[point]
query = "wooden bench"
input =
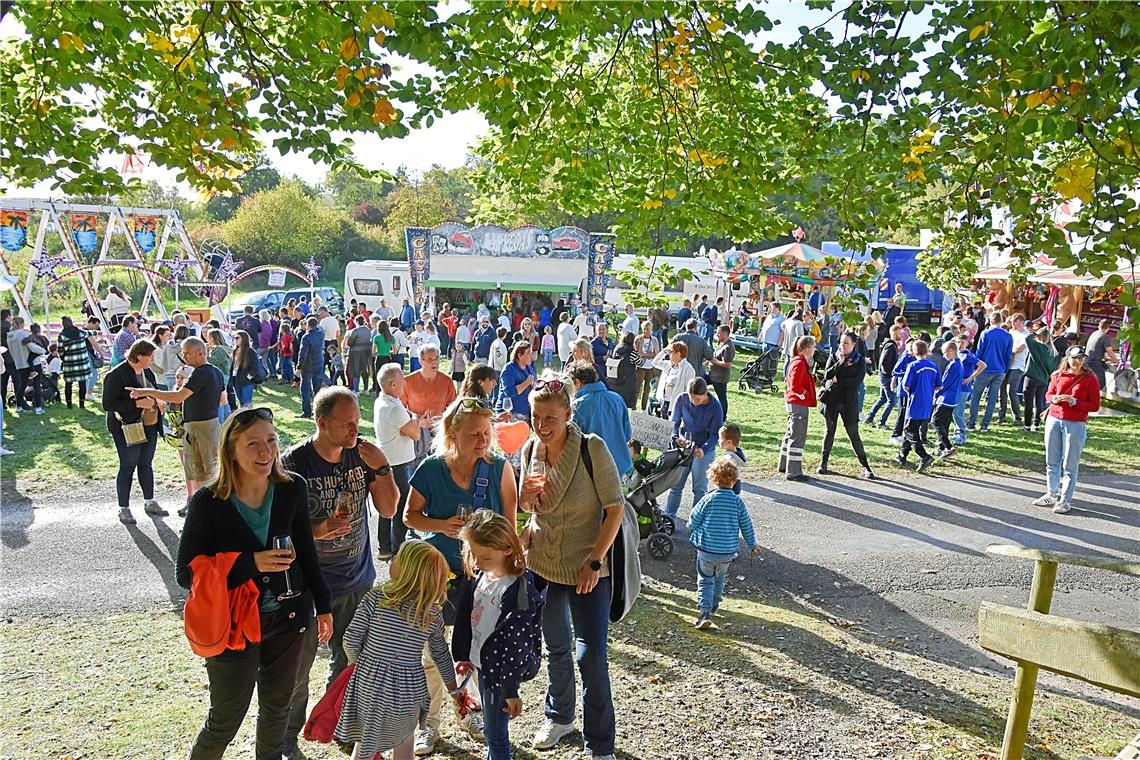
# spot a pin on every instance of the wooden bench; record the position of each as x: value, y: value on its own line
x: 1102, y: 655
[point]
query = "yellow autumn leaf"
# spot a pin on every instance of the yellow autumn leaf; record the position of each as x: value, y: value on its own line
x: 1076, y: 88
x: 69, y: 41
x: 349, y: 49
x: 159, y: 43
x: 921, y: 148
x: 383, y: 112
x: 352, y: 101
x: 860, y: 75
x: 981, y: 30
x: 575, y: 163
x: 342, y: 75
x: 670, y: 193
x: 715, y: 25
x: 1076, y: 179
x: 504, y: 82
x: 652, y: 203
x: 361, y: 74
x: 916, y: 175
x: 229, y: 143
x: 1034, y: 99
x: 380, y: 37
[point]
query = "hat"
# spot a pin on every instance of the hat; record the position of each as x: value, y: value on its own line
x: 1071, y: 336
x: 1075, y: 351
x: 691, y: 324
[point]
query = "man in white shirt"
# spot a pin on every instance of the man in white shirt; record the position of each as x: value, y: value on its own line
x: 396, y: 434
x: 584, y: 323
x: 482, y: 312
x: 1011, y: 390
x: 770, y: 332
x: 329, y: 325
x: 505, y: 321
x: 463, y: 335
x: 632, y: 324
x: 566, y: 337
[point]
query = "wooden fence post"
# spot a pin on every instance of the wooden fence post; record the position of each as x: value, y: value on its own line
x: 1025, y: 680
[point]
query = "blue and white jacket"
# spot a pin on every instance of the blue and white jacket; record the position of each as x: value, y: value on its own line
x: 717, y: 521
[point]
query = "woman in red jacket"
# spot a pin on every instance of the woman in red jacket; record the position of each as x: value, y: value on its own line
x: 1072, y: 395
x: 800, y: 396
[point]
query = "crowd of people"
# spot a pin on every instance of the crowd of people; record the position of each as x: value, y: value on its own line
x: 503, y: 551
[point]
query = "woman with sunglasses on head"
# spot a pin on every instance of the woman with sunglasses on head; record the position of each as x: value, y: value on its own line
x: 461, y: 476
x: 251, y: 503
x: 577, y: 508
x: 1073, y: 394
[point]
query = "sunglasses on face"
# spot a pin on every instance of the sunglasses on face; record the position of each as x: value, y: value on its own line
x: 554, y: 385
x: 247, y: 416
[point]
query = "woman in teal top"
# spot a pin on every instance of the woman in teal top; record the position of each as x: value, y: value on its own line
x: 447, y: 479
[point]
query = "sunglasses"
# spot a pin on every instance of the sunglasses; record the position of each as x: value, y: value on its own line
x: 248, y: 416
x: 554, y: 385
x: 468, y: 403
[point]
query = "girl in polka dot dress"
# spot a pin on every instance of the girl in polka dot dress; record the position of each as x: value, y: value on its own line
x: 498, y: 623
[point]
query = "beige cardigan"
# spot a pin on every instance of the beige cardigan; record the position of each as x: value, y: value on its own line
x: 565, y: 524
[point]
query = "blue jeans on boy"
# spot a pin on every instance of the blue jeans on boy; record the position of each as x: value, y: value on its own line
x: 960, y: 417
x: 992, y: 383
x: 712, y: 569
x: 496, y: 723
x: 287, y: 368
x: 591, y: 617
x: 244, y: 393
x: 698, y: 471
x: 1064, y: 441
x: 886, y: 401
x: 310, y: 384
x: 92, y: 380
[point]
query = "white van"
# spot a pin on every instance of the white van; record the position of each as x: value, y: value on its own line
x: 704, y: 282
x: 369, y: 281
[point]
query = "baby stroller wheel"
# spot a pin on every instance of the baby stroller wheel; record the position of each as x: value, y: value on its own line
x: 666, y: 525
x: 660, y: 546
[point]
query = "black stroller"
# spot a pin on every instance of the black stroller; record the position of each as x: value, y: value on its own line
x: 49, y: 391
x: 759, y: 375
x: 656, y: 527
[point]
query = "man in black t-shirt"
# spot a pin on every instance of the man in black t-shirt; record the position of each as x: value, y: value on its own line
x: 249, y: 323
x: 200, y: 397
x: 342, y: 471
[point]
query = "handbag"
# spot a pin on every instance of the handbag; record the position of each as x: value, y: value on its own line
x: 133, y: 432
x: 322, y: 721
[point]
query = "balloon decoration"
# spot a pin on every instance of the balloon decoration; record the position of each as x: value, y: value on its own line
x: 13, y: 230
x: 84, y: 230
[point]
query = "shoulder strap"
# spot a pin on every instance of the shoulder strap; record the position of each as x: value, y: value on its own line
x: 482, y: 482
x: 586, y: 456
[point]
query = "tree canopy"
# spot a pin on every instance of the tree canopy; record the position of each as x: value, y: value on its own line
x: 678, y: 117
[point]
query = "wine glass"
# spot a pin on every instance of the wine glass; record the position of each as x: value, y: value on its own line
x: 508, y: 405
x: 464, y: 511
x: 285, y: 543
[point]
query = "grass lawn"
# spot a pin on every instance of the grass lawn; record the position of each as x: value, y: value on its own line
x: 68, y: 445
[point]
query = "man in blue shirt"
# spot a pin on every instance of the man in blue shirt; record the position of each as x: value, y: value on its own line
x: 483, y: 339
x: 407, y: 316
x: 310, y: 364
x: 684, y: 314
x: 920, y: 382
x: 946, y: 399
x: 770, y: 330
x: 995, y: 349
x: 696, y: 419
x: 710, y: 318
x: 600, y: 411
x: 602, y: 347
x: 971, y: 368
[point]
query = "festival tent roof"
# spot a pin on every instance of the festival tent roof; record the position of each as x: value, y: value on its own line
x: 1051, y: 275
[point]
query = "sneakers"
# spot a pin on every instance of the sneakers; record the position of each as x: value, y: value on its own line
x: 1062, y: 506
x: 714, y: 609
x: 1026, y: 428
x: 550, y: 734
x: 947, y: 453
x: 897, y: 440
x: 868, y: 474
x: 925, y: 464
x: 1033, y: 428
x: 426, y: 739
x: 704, y: 621
x: 5, y: 451
x: 125, y: 516
x: 182, y: 512
x: 822, y: 470
x: 472, y: 725
x: 801, y: 478
x: 900, y: 460
x: 151, y: 507
x: 1047, y: 501
x: 38, y: 410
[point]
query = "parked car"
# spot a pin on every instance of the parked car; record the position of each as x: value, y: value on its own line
x: 329, y: 296
x: 258, y: 299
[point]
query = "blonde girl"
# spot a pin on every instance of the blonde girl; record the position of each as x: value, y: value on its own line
x: 387, y: 694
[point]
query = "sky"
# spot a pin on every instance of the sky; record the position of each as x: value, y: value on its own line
x: 446, y: 143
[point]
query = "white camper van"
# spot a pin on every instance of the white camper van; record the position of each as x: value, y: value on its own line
x: 369, y: 281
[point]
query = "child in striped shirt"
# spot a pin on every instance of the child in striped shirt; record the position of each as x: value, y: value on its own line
x: 715, y: 525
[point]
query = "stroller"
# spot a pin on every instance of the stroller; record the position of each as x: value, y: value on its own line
x: 656, y: 527
x: 49, y: 391
x: 759, y: 374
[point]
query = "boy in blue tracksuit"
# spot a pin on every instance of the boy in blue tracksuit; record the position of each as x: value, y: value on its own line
x: 972, y: 366
x: 715, y: 524
x: 995, y: 349
x: 897, y: 383
x: 946, y: 398
x: 920, y: 382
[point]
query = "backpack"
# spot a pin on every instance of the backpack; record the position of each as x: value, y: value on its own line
x: 624, y: 562
x: 257, y: 371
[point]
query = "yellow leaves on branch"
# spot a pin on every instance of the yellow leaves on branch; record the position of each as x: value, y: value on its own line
x: 376, y: 17
x: 504, y: 82
x: 342, y: 75
x: 69, y: 41
x: 538, y: 6
x: 705, y: 158
x: 353, y: 100
x: 187, y: 35
x: 159, y: 43
x: 1076, y: 179
x: 669, y: 193
x: 652, y: 203
x: 715, y: 25
x: 920, y: 145
x: 350, y: 48
x: 860, y: 75
x: 981, y: 30
x: 917, y: 174
x: 1047, y: 98
x: 383, y: 112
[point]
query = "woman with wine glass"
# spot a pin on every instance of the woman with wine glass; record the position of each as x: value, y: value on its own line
x: 461, y: 472
x: 517, y: 378
x: 577, y: 506
x: 256, y: 509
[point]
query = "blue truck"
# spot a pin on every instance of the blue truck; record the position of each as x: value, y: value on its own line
x: 923, y: 305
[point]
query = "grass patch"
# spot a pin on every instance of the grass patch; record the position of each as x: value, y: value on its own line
x: 776, y: 674
x: 73, y: 445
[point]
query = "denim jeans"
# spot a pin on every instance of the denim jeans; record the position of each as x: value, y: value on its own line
x: 960, y: 417
x: 496, y: 723
x: 286, y: 368
x: 1011, y: 394
x: 223, y: 413
x: 698, y: 471
x: 391, y: 532
x: 92, y: 379
x: 244, y: 393
x: 590, y: 614
x: 343, y: 610
x: 1034, y: 404
x: 712, y: 569
x: 137, y: 458
x: 886, y: 401
x: 988, y: 383
x: 310, y: 384
x: 721, y: 390
x: 1064, y: 441
x: 707, y: 333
